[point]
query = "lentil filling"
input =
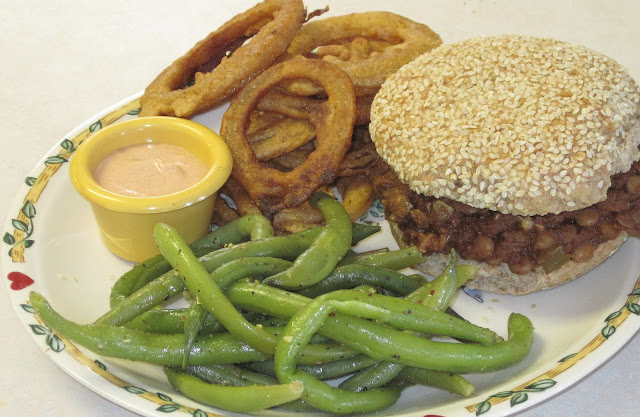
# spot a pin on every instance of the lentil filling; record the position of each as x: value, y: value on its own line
x: 524, y: 243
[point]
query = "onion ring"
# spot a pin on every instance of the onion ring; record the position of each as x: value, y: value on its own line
x: 358, y: 161
x: 394, y: 41
x: 242, y: 200
x: 292, y: 105
x: 363, y: 109
x: 223, y: 213
x: 292, y: 159
x: 274, y: 190
x: 262, y: 119
x: 304, y: 107
x: 271, y: 25
x: 281, y: 137
x: 357, y: 196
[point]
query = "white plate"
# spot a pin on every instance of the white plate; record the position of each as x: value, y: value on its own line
x: 75, y: 272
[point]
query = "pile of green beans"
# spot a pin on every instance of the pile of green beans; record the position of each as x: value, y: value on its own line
x: 273, y: 320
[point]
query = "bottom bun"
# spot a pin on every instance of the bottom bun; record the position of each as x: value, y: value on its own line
x: 500, y: 280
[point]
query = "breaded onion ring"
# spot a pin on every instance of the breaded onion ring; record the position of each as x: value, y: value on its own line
x: 304, y: 107
x: 280, y: 138
x: 242, y: 200
x: 291, y: 105
x: 274, y: 190
x: 357, y: 196
x: 271, y: 25
x: 393, y: 41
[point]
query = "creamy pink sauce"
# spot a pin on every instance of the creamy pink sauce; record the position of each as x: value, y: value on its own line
x: 149, y: 170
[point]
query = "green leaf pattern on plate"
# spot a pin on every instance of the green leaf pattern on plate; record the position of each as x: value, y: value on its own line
x: 631, y: 305
x: 51, y: 339
x: 29, y: 211
x: 100, y: 365
x: 374, y: 215
x: 167, y: 405
x: 95, y: 126
x: 134, y: 390
x: 169, y: 408
x: 62, y: 156
x: 516, y: 396
x: 28, y: 308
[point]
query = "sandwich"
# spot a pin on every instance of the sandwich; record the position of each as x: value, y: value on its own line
x: 519, y: 153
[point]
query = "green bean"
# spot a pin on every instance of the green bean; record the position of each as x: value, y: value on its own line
x: 444, y: 286
x: 169, y: 285
x: 148, y: 271
x: 278, y: 329
x: 253, y: 226
x: 241, y: 399
x: 376, y: 376
x: 151, y: 295
x: 339, y: 368
x: 443, y: 380
x: 238, y: 376
x: 315, y: 263
x: 267, y: 320
x: 325, y: 371
x: 254, y: 267
x: 207, y: 292
x: 360, y: 232
x: 465, y: 273
x: 170, y: 321
x: 349, y: 276
x: 137, y: 277
x: 372, y: 339
x: 229, y: 374
x: 410, y: 316
x: 419, y: 318
x: 423, y: 353
x: 161, y: 349
x: 286, y: 247
x: 304, y: 323
x: 399, y: 313
x: 193, y: 322
x: 366, y: 289
x: 395, y: 259
x: 262, y: 367
x: 122, y: 342
x: 441, y: 291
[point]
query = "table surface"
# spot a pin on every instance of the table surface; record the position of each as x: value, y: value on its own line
x: 62, y: 62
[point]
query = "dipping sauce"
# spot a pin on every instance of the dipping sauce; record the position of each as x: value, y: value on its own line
x: 149, y: 170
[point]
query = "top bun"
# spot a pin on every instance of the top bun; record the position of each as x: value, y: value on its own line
x: 514, y: 124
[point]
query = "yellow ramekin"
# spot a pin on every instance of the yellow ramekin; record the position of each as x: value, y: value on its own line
x: 125, y: 222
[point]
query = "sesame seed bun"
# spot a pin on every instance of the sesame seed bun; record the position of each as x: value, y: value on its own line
x: 514, y: 124
x: 500, y: 280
